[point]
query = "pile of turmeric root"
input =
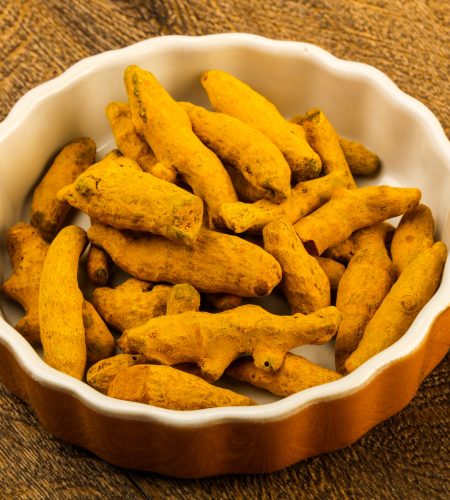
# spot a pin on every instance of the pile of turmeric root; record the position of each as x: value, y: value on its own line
x: 203, y: 210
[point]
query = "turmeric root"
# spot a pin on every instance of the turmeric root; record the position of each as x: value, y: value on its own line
x: 295, y: 374
x: 125, y: 198
x: 100, y: 375
x: 349, y: 210
x: 170, y: 388
x: 414, y: 234
x: 131, y: 143
x: 304, y: 282
x: 132, y: 303
x: 344, y: 251
x: 305, y: 198
x: 183, y: 298
x: 325, y: 141
x: 213, y: 341
x: 365, y: 283
x: 359, y: 159
x: 47, y: 211
x: 27, y: 251
x: 167, y: 129
x: 333, y: 269
x: 224, y: 301
x: 61, y: 304
x: 216, y: 263
x: 413, y: 289
x: 100, y: 344
x: 245, y: 148
x: 229, y: 95
x: 98, y: 265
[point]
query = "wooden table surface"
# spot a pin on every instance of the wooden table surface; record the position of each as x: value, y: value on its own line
x: 406, y: 456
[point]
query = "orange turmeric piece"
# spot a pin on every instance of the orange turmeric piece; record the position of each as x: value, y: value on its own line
x: 98, y: 265
x: 229, y: 95
x: 349, y: 210
x: 305, y: 198
x: 167, y: 129
x: 213, y: 341
x: 100, y: 375
x: 365, y: 283
x: 414, y: 234
x: 224, y: 301
x: 100, y: 344
x: 344, y: 251
x: 216, y: 263
x: 295, y: 374
x: 27, y: 251
x: 182, y: 298
x: 126, y: 198
x: 360, y: 160
x: 333, y: 269
x: 132, y: 145
x: 61, y: 304
x: 132, y: 303
x: 304, y: 282
x: 325, y: 141
x: 170, y: 388
x: 413, y: 289
x: 246, y: 149
x: 47, y: 211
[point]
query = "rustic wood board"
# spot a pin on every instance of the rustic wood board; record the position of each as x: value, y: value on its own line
x: 405, y: 457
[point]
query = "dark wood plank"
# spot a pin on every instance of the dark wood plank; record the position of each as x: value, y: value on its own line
x: 405, y: 457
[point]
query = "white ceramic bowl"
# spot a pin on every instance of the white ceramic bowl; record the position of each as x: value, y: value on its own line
x: 362, y: 103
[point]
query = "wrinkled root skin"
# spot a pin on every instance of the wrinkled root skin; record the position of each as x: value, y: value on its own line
x: 170, y: 388
x: 213, y: 341
x: 413, y: 289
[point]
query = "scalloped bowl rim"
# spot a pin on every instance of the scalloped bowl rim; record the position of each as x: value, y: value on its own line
x: 39, y: 371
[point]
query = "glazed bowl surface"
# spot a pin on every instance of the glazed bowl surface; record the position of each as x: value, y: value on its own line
x: 363, y: 104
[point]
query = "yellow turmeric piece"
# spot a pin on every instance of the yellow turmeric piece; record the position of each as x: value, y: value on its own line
x: 132, y: 145
x: 229, y: 95
x: 333, y: 269
x: 100, y: 375
x: 170, y: 388
x: 344, y: 251
x: 98, y: 265
x: 216, y: 263
x: 413, y: 289
x: 61, y: 304
x: 47, y: 211
x: 349, y: 210
x: 132, y: 303
x: 414, y: 234
x: 360, y: 160
x: 244, y: 190
x: 325, y: 141
x: 213, y: 341
x: 182, y: 298
x: 365, y: 283
x: 100, y: 344
x: 295, y: 374
x: 125, y: 198
x: 224, y: 301
x: 249, y: 151
x: 167, y: 129
x: 304, y: 282
x: 305, y: 198
x: 27, y: 251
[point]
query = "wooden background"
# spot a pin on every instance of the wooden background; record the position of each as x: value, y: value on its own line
x: 405, y: 457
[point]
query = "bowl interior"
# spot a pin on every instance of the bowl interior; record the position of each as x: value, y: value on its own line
x: 359, y: 101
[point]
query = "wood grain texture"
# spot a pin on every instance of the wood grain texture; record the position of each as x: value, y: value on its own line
x: 405, y: 457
